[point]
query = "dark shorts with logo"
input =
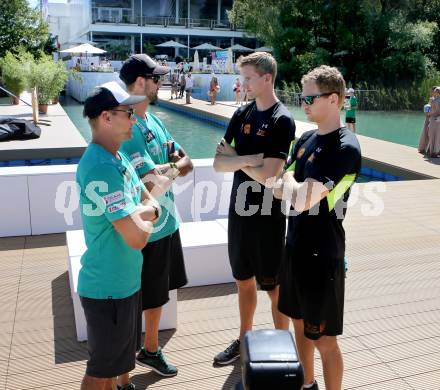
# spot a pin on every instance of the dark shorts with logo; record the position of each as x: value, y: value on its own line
x: 256, y: 248
x: 163, y: 270
x: 350, y: 120
x: 114, y: 330
x: 312, y: 288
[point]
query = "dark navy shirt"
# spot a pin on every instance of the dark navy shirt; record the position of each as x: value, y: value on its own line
x: 332, y: 159
x: 252, y: 132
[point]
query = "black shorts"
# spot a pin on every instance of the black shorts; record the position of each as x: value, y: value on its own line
x: 114, y: 330
x: 312, y: 289
x: 163, y: 270
x: 350, y: 120
x: 256, y: 248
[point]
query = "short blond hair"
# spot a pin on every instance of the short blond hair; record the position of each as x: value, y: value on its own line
x: 262, y: 62
x: 328, y: 79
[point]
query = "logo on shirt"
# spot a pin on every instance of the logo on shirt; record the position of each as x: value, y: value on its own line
x: 116, y: 207
x: 246, y: 129
x: 113, y: 197
x: 149, y: 136
x: 136, y: 160
x: 154, y: 150
x: 262, y: 130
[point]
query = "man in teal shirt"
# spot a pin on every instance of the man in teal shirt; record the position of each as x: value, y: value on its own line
x: 158, y: 160
x: 117, y: 214
x: 350, y: 105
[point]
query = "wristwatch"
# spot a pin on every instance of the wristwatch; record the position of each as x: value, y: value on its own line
x: 156, y: 211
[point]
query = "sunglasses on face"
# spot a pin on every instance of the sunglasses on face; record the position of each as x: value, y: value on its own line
x: 156, y: 78
x: 310, y: 99
x: 130, y: 112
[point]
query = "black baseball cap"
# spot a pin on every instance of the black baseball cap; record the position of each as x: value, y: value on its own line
x: 106, y: 97
x: 140, y: 65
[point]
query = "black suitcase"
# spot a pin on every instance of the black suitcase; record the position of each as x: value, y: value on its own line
x: 269, y: 360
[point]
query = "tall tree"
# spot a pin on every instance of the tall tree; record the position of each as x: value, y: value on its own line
x: 20, y: 25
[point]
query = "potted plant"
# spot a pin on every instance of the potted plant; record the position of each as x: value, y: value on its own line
x: 50, y: 78
x: 15, y: 68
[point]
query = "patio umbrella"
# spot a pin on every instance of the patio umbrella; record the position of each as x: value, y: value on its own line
x: 238, y: 47
x: 85, y: 48
x: 264, y: 48
x: 206, y: 46
x: 172, y: 44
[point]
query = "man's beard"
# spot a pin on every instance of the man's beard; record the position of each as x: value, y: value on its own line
x: 152, y: 96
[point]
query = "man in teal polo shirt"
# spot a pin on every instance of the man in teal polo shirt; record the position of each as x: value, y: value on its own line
x: 117, y: 214
x: 158, y: 160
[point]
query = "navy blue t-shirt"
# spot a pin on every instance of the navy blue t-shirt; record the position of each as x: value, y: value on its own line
x: 333, y: 159
x: 252, y: 132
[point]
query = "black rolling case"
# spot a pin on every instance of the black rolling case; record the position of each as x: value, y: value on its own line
x: 269, y: 360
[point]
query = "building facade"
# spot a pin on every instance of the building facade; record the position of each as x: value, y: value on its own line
x: 137, y: 24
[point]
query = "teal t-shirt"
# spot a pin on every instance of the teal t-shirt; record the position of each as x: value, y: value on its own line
x: 110, y: 190
x: 351, y: 112
x: 146, y: 149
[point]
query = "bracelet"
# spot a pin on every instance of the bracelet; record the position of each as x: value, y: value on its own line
x: 173, y: 165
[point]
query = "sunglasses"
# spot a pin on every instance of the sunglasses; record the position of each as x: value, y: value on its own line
x: 156, y: 78
x: 310, y: 99
x: 130, y: 112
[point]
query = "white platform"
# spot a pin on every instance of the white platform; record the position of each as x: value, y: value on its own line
x: 76, y: 247
x: 205, y: 248
x: 45, y: 200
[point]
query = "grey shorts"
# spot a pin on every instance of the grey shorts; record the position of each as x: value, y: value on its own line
x: 114, y: 329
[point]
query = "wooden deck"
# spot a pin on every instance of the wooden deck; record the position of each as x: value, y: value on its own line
x: 391, y: 338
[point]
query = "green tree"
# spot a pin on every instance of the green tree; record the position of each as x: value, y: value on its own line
x: 20, y: 25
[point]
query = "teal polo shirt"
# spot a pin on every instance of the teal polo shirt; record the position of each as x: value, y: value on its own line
x: 110, y: 190
x: 146, y: 149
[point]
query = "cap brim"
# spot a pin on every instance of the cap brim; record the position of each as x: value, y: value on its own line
x: 161, y: 70
x: 133, y: 99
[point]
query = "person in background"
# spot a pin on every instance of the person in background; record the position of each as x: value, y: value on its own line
x: 350, y: 105
x: 433, y: 148
x: 423, y: 142
x: 213, y: 89
x: 174, y: 79
x: 189, y: 83
x: 182, y: 84
x: 237, y: 91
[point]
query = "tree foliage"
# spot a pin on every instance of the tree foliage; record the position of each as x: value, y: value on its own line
x: 21, y: 26
x: 381, y: 42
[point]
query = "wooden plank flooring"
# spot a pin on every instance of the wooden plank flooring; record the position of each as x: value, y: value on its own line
x: 391, y: 338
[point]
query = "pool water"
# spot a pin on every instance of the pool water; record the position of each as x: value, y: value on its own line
x: 199, y: 139
x: 399, y: 127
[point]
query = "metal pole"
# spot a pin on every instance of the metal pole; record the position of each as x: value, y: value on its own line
x: 187, y: 50
x: 142, y: 16
x: 142, y: 45
x: 17, y: 97
x: 177, y: 11
x: 219, y: 10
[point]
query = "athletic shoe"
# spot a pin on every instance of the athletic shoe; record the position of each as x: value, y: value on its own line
x: 128, y: 386
x: 314, y: 386
x: 229, y: 354
x: 155, y: 361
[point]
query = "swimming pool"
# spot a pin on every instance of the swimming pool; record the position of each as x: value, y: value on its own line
x: 399, y: 127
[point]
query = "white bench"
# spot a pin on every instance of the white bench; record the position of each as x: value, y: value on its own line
x: 205, y: 248
x: 76, y: 247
